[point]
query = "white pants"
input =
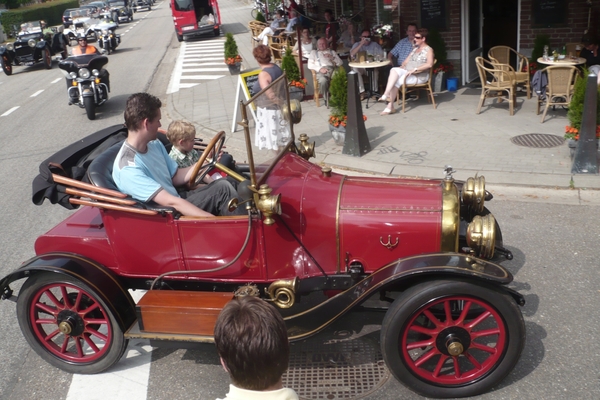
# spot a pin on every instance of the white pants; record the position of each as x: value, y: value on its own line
x: 411, y: 79
x: 264, y: 33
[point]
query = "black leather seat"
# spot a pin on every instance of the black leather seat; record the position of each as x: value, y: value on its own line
x: 99, y: 174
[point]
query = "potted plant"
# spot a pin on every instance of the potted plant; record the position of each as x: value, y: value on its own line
x: 575, y: 113
x: 296, y: 83
x: 436, y: 41
x: 385, y: 34
x: 260, y: 17
x: 338, y: 103
x: 232, y: 55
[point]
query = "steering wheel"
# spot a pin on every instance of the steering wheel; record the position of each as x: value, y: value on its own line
x: 200, y: 170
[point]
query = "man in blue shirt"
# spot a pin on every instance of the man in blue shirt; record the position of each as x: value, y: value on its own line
x: 144, y: 170
x: 403, y: 48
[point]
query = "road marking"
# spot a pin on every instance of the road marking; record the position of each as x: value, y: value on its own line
x: 57, y: 80
x: 197, y: 62
x: 36, y: 93
x: 9, y: 111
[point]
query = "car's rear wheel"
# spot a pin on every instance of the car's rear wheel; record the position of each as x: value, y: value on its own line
x: 6, y: 65
x: 47, y: 58
x: 452, y: 338
x: 68, y: 324
x: 90, y: 107
x: 179, y: 37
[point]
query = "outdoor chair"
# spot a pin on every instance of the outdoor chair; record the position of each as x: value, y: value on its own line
x: 277, y: 44
x: 416, y: 88
x: 494, y: 82
x: 316, y: 86
x: 503, y: 54
x: 561, y: 84
x: 256, y: 28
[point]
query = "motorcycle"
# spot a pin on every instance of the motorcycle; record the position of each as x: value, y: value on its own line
x: 108, y: 40
x: 87, y: 82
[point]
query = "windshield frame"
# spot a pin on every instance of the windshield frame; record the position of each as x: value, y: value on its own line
x: 289, y: 146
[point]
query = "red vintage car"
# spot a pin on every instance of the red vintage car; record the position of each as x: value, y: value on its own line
x: 315, y: 244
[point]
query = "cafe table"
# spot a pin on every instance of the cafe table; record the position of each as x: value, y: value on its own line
x: 370, y: 67
x: 565, y: 62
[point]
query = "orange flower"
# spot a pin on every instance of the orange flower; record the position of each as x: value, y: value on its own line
x: 233, y: 60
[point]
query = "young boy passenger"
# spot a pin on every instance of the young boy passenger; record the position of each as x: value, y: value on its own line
x: 182, y: 135
x: 252, y: 342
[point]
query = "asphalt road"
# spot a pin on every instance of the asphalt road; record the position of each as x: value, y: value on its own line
x: 555, y: 246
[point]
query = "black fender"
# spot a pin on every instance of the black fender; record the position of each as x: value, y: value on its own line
x: 398, y: 276
x: 104, y: 282
x: 87, y: 91
x: 3, y: 50
x: 41, y: 45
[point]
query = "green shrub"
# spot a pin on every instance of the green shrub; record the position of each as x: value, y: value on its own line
x: 338, y: 93
x: 231, y: 48
x: 289, y: 66
x: 260, y: 17
x: 575, y: 113
x: 438, y: 44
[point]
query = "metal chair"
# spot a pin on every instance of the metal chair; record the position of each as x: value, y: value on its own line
x: 502, y: 55
x: 494, y: 82
x: 561, y: 84
x: 407, y: 88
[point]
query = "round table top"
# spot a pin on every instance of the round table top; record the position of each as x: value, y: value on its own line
x: 564, y: 62
x: 369, y: 64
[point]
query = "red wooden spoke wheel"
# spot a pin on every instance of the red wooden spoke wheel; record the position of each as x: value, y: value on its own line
x: 452, y: 338
x: 68, y: 325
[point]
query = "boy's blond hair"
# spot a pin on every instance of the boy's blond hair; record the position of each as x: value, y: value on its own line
x: 180, y: 130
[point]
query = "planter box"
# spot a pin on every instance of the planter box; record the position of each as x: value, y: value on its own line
x: 438, y: 82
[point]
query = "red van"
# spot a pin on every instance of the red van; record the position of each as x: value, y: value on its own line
x: 195, y: 17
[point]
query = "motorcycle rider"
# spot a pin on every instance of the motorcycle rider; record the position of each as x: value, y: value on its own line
x: 81, y: 50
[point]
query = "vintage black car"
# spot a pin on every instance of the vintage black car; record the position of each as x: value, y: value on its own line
x: 34, y: 44
x: 121, y: 10
x: 139, y: 5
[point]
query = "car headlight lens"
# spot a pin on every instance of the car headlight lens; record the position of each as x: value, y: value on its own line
x: 104, y: 32
x: 481, y: 236
x: 72, y: 75
x: 95, y: 72
x: 31, y: 42
x: 84, y: 73
x: 473, y: 193
x: 10, y: 47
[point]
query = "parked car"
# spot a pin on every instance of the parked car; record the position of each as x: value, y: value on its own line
x: 32, y: 46
x: 121, y: 10
x: 314, y: 243
x: 140, y: 5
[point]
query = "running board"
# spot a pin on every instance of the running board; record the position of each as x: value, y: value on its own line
x: 178, y: 315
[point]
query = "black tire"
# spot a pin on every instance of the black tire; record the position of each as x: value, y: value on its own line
x: 254, y: 13
x: 408, y: 335
x: 90, y: 107
x: 104, y: 330
x: 179, y: 37
x: 217, y: 32
x: 6, y: 65
x: 47, y: 58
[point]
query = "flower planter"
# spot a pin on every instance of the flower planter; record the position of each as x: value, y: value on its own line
x: 438, y: 82
x: 572, y: 143
x: 338, y: 133
x: 296, y: 93
x: 234, y: 69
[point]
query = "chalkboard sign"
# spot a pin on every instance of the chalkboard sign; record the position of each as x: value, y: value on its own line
x: 549, y: 13
x: 433, y: 14
x: 247, y: 80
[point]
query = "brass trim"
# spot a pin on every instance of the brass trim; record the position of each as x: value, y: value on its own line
x: 283, y: 292
x: 326, y: 172
x: 473, y: 193
x: 337, y: 223
x: 390, y: 209
x: 450, y: 216
x: 425, y: 182
x: 389, y: 245
x: 230, y: 172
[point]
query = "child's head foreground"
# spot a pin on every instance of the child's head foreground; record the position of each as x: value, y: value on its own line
x: 252, y: 342
x: 181, y: 134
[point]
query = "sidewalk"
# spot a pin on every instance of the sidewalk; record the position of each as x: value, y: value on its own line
x: 418, y: 143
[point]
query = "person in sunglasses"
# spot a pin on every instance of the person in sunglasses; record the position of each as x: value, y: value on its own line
x: 414, y: 69
x: 372, y: 49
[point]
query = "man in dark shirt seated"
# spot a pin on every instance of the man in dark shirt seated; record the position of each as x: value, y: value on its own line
x: 144, y: 170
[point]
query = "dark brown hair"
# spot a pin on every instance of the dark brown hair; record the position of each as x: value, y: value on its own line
x: 423, y: 32
x: 140, y: 106
x: 262, y: 54
x: 251, y: 338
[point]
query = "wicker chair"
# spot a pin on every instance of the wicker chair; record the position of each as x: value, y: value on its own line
x: 502, y: 55
x: 256, y: 28
x: 494, y: 82
x: 417, y: 87
x: 561, y: 84
x: 277, y: 44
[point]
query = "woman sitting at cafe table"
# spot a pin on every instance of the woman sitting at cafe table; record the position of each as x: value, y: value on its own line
x: 414, y: 69
x: 590, y: 53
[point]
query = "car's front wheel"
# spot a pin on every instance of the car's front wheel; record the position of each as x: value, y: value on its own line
x: 68, y: 324
x: 452, y: 338
x: 47, y: 58
x: 6, y: 65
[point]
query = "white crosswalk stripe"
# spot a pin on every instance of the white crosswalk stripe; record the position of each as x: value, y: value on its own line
x: 197, y: 62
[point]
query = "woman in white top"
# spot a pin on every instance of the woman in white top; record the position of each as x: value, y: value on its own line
x: 308, y: 43
x: 414, y: 69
